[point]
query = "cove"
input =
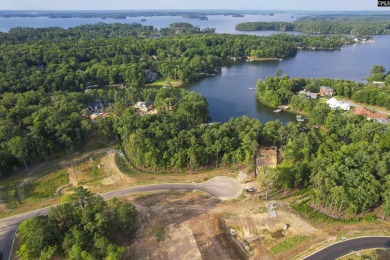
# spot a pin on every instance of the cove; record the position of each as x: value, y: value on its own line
x: 229, y: 95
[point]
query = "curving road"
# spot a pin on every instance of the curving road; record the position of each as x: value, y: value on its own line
x: 224, y: 188
x: 349, y: 246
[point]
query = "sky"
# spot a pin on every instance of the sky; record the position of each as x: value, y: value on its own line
x: 326, y: 5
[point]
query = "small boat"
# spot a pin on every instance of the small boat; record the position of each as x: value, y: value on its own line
x: 300, y: 118
x: 252, y: 88
x: 278, y: 110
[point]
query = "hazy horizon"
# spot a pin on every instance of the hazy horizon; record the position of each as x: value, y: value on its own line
x: 187, y: 5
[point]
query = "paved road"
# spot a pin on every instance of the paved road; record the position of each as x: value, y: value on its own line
x: 223, y: 188
x: 351, y: 103
x: 349, y: 246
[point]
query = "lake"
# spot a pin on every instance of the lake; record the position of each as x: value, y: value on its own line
x: 228, y: 93
x: 222, y: 23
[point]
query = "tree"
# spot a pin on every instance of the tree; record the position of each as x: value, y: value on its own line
x: 18, y: 148
x: 279, y: 73
x: 81, y: 196
x: 86, y: 229
x: 377, y: 69
x: 377, y: 73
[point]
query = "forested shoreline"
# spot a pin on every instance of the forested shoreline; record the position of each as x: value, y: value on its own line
x: 43, y: 108
x: 275, y: 91
x: 343, y: 159
x: 322, y: 26
x: 53, y: 59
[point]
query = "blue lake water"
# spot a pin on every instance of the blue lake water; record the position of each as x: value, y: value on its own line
x: 228, y: 93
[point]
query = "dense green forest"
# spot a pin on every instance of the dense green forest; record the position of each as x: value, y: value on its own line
x: 52, y: 59
x: 95, y: 31
x: 43, y: 72
x: 36, y: 124
x: 275, y: 91
x: 86, y: 228
x: 345, y: 163
x: 179, y: 137
x: 322, y: 26
x: 43, y: 109
x: 357, y: 150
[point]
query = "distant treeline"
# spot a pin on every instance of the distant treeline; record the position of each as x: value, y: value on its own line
x: 122, y: 14
x: 96, y: 31
x: 355, y: 27
x: 350, y: 16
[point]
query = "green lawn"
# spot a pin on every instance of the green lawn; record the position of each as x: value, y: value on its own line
x: 288, y: 244
x: 14, y: 193
x: 164, y: 82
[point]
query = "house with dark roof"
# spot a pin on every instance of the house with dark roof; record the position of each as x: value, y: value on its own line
x: 308, y: 94
x: 150, y: 75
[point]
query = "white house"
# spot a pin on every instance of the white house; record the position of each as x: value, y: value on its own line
x: 335, y: 104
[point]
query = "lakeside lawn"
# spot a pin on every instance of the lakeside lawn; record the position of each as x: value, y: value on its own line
x: 165, y: 82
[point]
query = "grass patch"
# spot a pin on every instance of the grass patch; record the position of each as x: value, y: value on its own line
x: 165, y: 82
x: 96, y: 173
x: 47, y: 185
x: 160, y: 233
x: 288, y: 244
x: 15, y: 194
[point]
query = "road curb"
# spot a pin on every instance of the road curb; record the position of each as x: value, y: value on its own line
x: 339, y: 242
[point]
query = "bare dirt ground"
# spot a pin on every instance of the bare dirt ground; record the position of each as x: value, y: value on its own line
x: 182, y: 225
x: 179, y: 225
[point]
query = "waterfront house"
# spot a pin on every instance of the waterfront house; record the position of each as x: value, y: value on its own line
x: 308, y: 94
x: 144, y: 106
x: 96, y: 108
x: 335, y: 104
x: 378, y: 83
x: 326, y: 91
x: 312, y: 95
